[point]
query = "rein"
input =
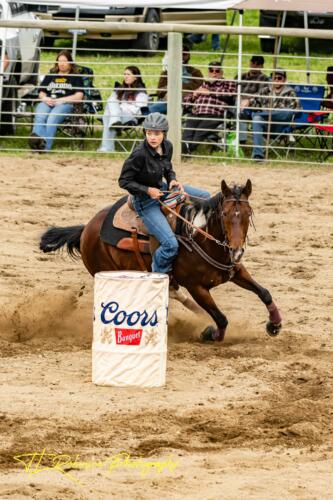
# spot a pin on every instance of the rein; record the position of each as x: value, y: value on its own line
x: 193, y: 226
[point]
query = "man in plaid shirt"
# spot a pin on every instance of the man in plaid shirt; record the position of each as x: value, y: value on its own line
x: 207, y: 106
x: 276, y: 103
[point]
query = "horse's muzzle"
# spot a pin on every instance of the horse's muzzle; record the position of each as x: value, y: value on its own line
x: 236, y: 254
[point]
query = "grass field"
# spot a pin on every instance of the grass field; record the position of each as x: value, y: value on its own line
x: 108, y: 65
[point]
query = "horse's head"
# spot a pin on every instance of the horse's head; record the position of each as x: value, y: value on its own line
x: 235, y: 214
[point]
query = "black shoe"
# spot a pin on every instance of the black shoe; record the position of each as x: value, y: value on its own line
x: 186, y: 149
x: 36, y: 142
x: 116, y: 124
x: 258, y: 158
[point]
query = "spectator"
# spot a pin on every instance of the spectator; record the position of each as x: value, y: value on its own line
x: 252, y: 80
x: 192, y: 79
x: 251, y: 83
x: 58, y: 92
x: 281, y: 99
x: 123, y: 106
x: 207, y: 104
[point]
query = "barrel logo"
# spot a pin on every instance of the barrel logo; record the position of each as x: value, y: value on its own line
x: 128, y: 336
x: 112, y: 314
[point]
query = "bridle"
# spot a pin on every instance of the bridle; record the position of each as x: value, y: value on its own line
x: 189, y: 242
x: 237, y: 213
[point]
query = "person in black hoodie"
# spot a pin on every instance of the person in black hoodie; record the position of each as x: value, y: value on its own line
x: 143, y: 175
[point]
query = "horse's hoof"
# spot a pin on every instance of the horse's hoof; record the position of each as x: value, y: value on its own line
x: 273, y: 329
x: 207, y: 334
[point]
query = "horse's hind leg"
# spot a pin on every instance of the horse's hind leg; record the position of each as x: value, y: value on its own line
x: 202, y: 296
x: 187, y: 302
x: 244, y: 279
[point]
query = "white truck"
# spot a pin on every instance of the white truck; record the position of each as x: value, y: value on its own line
x: 20, y: 52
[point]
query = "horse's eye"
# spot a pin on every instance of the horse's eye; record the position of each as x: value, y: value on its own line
x: 224, y: 214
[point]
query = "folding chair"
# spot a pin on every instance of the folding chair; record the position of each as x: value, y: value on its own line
x: 301, y: 129
x: 327, y: 103
x: 132, y: 131
x: 80, y: 124
x: 325, y: 140
x: 310, y: 98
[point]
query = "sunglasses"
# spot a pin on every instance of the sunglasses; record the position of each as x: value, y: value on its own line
x: 278, y: 78
x: 214, y: 70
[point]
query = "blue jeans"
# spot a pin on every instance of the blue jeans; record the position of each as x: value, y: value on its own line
x: 150, y: 212
x: 47, y: 119
x: 158, y: 107
x: 260, y: 125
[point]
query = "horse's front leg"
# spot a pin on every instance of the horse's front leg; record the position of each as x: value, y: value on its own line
x: 202, y: 296
x: 244, y: 279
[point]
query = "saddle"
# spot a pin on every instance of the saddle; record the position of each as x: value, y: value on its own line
x: 124, y: 229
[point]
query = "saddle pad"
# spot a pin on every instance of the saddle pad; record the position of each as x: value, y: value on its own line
x: 112, y: 235
x: 127, y: 220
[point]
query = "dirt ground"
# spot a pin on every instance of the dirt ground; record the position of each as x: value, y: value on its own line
x: 250, y: 418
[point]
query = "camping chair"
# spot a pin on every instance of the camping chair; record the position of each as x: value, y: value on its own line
x: 325, y: 140
x: 132, y: 131
x: 310, y: 98
x: 301, y: 130
x: 218, y: 138
x: 327, y: 103
x: 324, y: 131
x: 81, y: 123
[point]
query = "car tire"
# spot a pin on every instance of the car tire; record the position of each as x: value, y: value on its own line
x: 8, y: 111
x: 149, y: 41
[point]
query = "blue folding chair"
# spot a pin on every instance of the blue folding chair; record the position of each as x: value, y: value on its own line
x: 310, y: 97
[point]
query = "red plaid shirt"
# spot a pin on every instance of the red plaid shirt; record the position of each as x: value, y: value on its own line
x: 221, y: 95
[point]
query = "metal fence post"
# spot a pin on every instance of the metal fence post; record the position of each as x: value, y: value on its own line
x: 174, y: 95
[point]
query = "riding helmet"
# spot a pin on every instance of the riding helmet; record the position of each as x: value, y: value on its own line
x: 156, y: 121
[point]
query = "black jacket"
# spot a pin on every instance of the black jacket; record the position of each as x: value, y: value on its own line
x: 146, y: 168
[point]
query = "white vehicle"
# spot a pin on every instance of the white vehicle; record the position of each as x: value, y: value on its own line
x: 22, y: 48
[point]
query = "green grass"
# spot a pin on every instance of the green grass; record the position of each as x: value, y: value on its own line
x: 109, y: 66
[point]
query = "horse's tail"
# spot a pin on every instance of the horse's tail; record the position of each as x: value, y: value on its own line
x: 56, y: 237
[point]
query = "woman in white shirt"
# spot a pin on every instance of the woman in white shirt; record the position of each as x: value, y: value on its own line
x: 123, y: 106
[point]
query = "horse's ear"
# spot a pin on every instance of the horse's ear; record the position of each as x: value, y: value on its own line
x: 226, y: 191
x: 247, y: 190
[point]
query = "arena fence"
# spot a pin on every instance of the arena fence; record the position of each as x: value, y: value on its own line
x: 306, y: 136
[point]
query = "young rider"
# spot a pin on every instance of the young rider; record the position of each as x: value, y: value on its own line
x: 143, y: 175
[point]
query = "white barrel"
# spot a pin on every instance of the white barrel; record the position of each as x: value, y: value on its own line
x: 130, y: 328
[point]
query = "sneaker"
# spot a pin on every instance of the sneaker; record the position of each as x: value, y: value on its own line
x: 104, y: 150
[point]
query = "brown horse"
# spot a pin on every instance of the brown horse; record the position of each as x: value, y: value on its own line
x: 202, y: 262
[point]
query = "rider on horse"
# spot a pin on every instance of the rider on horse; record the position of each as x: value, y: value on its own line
x: 143, y: 175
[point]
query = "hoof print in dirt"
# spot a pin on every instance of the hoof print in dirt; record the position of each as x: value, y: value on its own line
x: 272, y: 329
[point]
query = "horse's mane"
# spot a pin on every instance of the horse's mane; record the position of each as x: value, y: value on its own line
x: 209, y: 205
x: 212, y: 203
